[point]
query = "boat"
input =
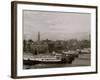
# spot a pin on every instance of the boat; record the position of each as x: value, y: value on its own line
x: 71, y: 53
x: 47, y: 58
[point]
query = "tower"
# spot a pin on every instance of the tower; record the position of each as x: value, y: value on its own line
x: 38, y: 36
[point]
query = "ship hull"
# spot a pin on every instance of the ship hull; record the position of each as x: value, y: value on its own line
x: 30, y: 62
x: 33, y: 62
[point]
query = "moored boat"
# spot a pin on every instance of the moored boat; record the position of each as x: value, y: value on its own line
x: 47, y: 58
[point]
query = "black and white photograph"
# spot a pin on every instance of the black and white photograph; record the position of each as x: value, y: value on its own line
x: 53, y: 39
x: 56, y: 39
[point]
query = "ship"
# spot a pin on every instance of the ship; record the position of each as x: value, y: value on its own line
x: 47, y: 58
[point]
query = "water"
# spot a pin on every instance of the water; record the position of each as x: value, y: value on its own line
x: 82, y: 60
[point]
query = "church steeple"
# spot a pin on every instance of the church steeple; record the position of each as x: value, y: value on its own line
x: 38, y: 36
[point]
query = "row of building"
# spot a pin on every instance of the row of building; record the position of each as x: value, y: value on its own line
x: 48, y: 46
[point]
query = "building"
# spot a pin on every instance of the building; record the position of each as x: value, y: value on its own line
x: 39, y: 46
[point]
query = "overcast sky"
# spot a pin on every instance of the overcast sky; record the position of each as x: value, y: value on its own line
x: 56, y: 25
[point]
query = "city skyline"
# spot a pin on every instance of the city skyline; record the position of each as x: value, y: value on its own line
x: 39, y: 38
x: 56, y: 25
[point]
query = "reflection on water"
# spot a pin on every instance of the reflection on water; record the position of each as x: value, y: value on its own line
x: 82, y: 60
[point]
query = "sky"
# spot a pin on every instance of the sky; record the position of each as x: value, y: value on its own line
x: 56, y: 25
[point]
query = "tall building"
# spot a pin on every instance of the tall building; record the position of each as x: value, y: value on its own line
x: 38, y: 36
x: 39, y: 46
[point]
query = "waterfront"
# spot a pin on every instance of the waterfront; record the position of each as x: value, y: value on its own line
x: 53, y: 39
x: 82, y: 60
